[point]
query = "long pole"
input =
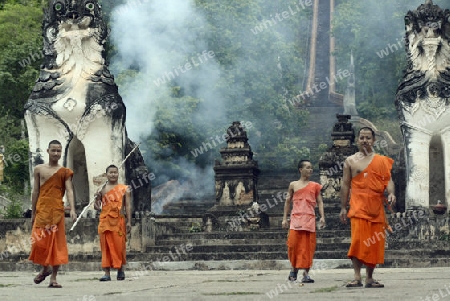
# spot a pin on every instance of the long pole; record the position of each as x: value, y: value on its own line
x: 104, y: 184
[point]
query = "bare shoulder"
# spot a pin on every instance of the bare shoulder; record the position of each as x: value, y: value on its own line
x: 39, y: 168
x: 352, y: 159
x: 292, y: 184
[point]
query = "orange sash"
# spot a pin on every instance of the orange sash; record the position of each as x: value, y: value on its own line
x: 111, y: 205
x: 367, y: 190
x: 48, y: 237
x: 50, y: 206
x: 112, y: 228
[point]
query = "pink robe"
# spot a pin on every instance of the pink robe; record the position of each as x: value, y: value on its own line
x: 302, y: 234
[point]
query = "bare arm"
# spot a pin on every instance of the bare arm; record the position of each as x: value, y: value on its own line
x: 128, y: 209
x: 345, y: 190
x: 321, y: 211
x: 391, y: 192
x: 70, y: 198
x: 287, y: 206
x: 98, y: 199
x: 35, y: 193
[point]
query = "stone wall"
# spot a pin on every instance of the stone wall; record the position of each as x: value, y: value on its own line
x: 15, y: 237
x: 420, y: 224
x: 413, y: 227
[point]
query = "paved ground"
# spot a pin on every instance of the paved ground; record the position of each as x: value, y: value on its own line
x: 423, y: 284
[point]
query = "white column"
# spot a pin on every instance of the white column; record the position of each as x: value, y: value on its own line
x: 445, y: 138
x: 417, y: 149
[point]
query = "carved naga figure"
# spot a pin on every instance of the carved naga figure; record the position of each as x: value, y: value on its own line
x: 423, y: 101
x: 76, y: 101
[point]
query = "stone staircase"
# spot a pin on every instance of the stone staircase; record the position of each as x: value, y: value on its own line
x: 179, y: 246
x: 270, y: 244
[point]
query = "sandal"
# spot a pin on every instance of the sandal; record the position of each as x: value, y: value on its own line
x: 307, y: 279
x: 374, y: 284
x: 293, y: 276
x: 120, y: 275
x: 54, y: 285
x: 41, y: 277
x: 354, y: 283
x: 105, y: 278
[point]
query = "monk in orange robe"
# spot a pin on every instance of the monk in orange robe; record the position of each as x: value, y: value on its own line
x: 366, y: 177
x: 48, y: 237
x: 112, y: 228
x: 303, y: 195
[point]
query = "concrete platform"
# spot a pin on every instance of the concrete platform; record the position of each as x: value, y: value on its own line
x: 421, y: 284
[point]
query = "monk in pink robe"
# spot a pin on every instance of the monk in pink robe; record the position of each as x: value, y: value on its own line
x: 303, y: 196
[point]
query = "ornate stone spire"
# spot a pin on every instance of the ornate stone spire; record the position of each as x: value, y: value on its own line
x: 237, y: 172
x: 349, y: 96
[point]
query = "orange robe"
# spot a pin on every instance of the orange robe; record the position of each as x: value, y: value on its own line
x: 48, y: 235
x: 368, y: 220
x: 112, y: 228
x: 301, y: 241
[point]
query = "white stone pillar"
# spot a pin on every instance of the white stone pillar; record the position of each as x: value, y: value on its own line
x: 417, y: 149
x: 445, y: 138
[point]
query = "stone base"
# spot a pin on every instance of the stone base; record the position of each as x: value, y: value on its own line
x: 235, y: 218
x: 419, y: 223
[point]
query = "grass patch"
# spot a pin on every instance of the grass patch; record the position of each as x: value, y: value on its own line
x: 85, y: 279
x: 6, y: 285
x: 112, y: 293
x: 233, y: 294
x: 229, y: 280
x: 325, y: 289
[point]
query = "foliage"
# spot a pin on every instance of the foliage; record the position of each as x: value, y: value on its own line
x: 195, y: 227
x: 11, y: 129
x: 20, y: 54
x: 444, y: 236
x: 14, y: 208
x: 373, y: 111
x: 16, y: 171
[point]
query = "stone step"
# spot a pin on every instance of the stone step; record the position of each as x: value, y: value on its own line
x: 270, y: 234
x: 187, y: 227
x: 243, y: 241
x: 137, y: 268
x: 183, y: 224
x: 233, y: 248
x: 280, y: 246
x: 185, y: 254
x: 268, y: 238
x: 189, y: 207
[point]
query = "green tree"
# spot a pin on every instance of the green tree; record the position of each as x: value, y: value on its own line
x: 16, y: 172
x: 20, y: 54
